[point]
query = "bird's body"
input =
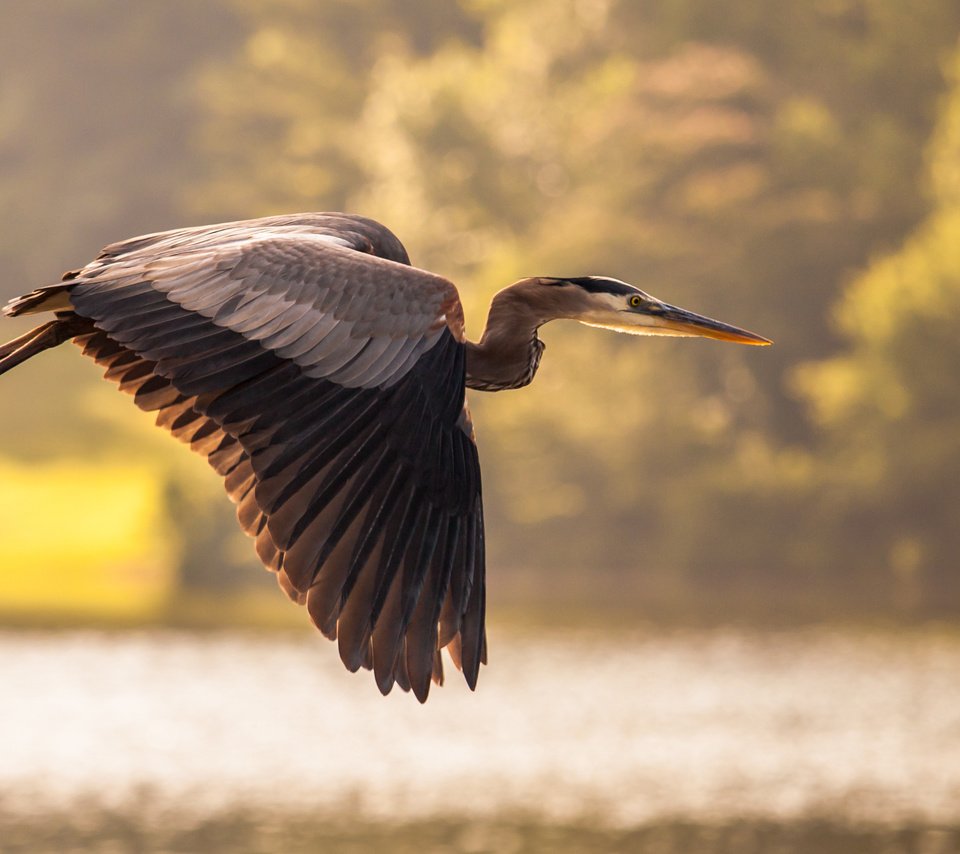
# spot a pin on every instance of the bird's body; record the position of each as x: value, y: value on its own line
x: 323, y: 378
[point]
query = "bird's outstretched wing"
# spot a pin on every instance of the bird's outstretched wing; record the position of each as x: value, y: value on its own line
x: 323, y: 377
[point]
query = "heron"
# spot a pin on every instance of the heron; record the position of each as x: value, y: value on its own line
x: 323, y: 377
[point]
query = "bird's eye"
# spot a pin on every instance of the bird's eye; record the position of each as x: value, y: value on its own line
x: 635, y: 301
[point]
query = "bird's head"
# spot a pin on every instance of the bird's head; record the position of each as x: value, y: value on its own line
x: 612, y: 304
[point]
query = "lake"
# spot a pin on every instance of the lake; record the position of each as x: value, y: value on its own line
x: 814, y: 737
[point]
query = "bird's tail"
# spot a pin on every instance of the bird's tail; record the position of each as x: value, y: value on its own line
x: 67, y: 325
x: 49, y: 298
x: 43, y: 337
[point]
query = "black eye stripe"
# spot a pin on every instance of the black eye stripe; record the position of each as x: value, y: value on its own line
x: 599, y: 285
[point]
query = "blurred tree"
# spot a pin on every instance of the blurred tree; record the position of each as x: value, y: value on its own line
x: 95, y: 120
x: 739, y: 158
x: 890, y: 406
x: 96, y: 116
x: 731, y: 157
x: 282, y: 114
x: 735, y: 158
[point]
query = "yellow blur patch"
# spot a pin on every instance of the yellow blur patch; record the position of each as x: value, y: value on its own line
x: 82, y: 540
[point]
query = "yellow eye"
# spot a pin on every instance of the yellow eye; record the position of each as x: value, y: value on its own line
x: 635, y: 301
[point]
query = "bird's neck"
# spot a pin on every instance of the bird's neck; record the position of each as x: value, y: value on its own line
x: 508, y: 353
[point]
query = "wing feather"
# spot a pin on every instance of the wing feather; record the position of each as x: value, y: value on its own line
x: 422, y: 635
x: 312, y: 337
x: 360, y: 585
x: 386, y: 603
x: 314, y: 369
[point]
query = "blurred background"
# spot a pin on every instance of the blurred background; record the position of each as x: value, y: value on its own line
x: 724, y: 582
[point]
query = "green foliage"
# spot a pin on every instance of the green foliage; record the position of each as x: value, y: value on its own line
x: 281, y: 117
x: 890, y: 406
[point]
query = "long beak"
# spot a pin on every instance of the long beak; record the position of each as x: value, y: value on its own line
x: 664, y: 319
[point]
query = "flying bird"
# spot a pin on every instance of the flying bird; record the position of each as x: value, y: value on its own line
x: 323, y: 377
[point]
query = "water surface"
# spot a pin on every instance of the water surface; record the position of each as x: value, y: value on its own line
x: 612, y: 731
